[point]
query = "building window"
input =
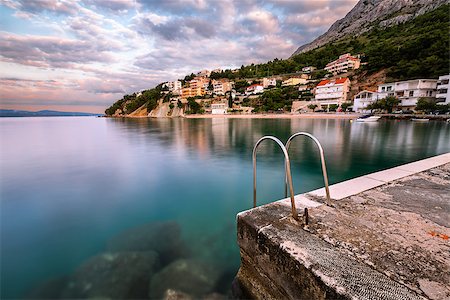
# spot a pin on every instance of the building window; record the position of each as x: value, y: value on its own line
x: 383, y: 89
x: 389, y: 88
x: 411, y: 93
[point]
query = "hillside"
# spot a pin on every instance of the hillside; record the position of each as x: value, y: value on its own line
x: 368, y: 14
x: 418, y: 48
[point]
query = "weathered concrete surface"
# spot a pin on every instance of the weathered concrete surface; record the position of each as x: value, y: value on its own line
x: 389, y: 242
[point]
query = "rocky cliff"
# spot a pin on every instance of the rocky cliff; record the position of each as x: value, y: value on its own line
x: 368, y: 13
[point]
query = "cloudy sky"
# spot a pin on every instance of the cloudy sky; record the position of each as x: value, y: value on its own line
x: 82, y: 55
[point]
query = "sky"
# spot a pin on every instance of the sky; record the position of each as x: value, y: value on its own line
x: 83, y: 55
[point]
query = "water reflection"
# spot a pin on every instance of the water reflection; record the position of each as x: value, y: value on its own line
x: 91, y: 207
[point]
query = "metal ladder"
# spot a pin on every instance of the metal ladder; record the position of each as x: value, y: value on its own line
x: 287, y: 167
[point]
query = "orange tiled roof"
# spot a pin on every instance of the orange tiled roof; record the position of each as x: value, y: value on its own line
x: 337, y: 81
x: 341, y: 80
x: 323, y: 82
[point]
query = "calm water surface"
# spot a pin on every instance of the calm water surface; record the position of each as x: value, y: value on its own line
x: 69, y: 185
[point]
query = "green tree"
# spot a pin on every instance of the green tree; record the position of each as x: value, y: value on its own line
x: 312, y: 107
x: 194, y: 107
x: 333, y: 107
x: 345, y: 106
x: 389, y: 103
x: 230, y: 100
x: 426, y: 104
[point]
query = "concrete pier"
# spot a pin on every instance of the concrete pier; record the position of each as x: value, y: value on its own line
x: 385, y: 236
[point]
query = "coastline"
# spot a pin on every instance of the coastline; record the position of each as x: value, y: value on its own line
x: 343, y: 116
x: 279, y: 116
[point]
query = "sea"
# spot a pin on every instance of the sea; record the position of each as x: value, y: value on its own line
x: 132, y: 208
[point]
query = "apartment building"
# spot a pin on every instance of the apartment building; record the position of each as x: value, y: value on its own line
x: 408, y: 92
x: 330, y: 92
x: 192, y: 92
x: 343, y: 64
x: 443, y: 86
x: 173, y: 86
x: 220, y: 87
x: 199, y: 82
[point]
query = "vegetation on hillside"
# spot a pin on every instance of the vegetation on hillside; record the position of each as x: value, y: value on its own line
x: 130, y: 103
x: 416, y: 49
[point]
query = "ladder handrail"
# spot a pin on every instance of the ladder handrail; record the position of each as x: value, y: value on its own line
x: 288, y: 176
x: 322, y: 160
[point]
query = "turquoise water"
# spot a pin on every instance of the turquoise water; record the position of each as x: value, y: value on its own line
x: 69, y: 185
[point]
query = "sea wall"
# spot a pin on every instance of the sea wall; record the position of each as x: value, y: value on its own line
x: 386, y: 241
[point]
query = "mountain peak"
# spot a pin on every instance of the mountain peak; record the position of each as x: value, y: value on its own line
x: 368, y: 13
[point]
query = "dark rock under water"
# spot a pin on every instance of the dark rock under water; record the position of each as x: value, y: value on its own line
x: 120, y: 275
x: 187, y: 276
x: 162, y: 237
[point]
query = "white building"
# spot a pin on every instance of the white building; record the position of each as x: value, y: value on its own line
x: 254, y: 89
x: 219, y: 108
x: 330, y: 92
x: 408, y: 92
x: 220, y: 87
x: 363, y: 99
x: 308, y: 69
x: 267, y: 82
x: 386, y: 90
x: 204, y: 73
x: 344, y: 63
x: 443, y: 94
x: 174, y: 86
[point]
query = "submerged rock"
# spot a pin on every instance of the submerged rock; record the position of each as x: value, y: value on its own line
x: 186, y: 276
x: 123, y: 275
x: 176, y: 295
x: 161, y: 237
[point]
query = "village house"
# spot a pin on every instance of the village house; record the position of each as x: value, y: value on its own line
x: 343, y: 64
x: 309, y: 69
x: 204, y: 73
x: 254, y: 89
x: 268, y: 82
x: 294, y: 81
x: 363, y: 99
x: 219, y: 108
x: 329, y: 92
x: 443, y: 94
